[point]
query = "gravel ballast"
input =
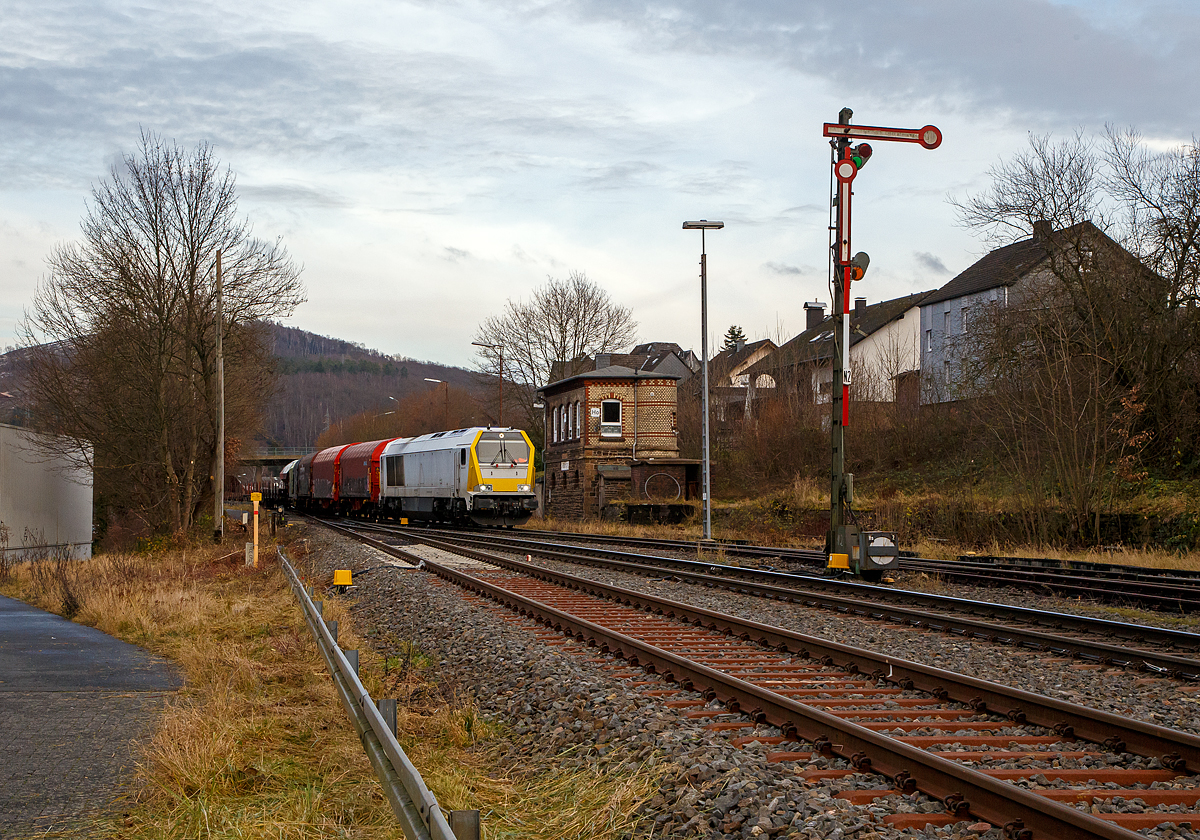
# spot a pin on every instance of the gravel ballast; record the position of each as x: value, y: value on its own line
x: 562, y: 704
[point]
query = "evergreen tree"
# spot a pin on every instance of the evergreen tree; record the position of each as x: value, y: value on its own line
x: 732, y: 336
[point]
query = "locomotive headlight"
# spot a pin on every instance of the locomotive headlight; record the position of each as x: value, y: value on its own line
x: 483, y: 488
x: 523, y: 488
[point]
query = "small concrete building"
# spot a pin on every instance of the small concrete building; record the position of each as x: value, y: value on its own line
x: 45, y: 503
x: 611, y: 439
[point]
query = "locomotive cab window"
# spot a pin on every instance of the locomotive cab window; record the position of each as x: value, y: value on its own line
x: 502, y: 449
x: 462, y: 457
x: 610, y: 418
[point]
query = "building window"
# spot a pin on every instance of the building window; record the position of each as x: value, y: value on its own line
x: 946, y: 371
x: 610, y: 418
x: 946, y: 322
x: 929, y: 340
x: 578, y: 430
x: 966, y: 318
x: 554, y: 425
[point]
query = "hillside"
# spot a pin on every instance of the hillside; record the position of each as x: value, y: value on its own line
x: 322, y: 380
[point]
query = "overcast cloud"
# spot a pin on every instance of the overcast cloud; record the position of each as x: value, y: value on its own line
x: 426, y: 161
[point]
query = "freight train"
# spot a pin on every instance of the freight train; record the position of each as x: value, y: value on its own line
x: 482, y: 474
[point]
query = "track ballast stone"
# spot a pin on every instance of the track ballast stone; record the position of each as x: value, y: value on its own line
x: 560, y: 705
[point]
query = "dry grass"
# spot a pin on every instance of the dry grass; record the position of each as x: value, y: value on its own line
x: 257, y: 745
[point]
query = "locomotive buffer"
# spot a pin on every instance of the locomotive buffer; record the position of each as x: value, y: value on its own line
x: 850, y: 549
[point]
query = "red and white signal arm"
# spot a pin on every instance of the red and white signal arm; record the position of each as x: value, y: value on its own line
x: 929, y: 136
x: 845, y: 170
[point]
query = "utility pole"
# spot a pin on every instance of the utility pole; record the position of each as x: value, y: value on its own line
x: 219, y: 479
x: 843, y: 543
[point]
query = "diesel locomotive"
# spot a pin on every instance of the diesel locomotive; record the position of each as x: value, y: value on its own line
x: 482, y: 475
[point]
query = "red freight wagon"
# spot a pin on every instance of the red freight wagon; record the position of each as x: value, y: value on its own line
x: 360, y: 470
x: 325, y: 473
x: 304, y: 477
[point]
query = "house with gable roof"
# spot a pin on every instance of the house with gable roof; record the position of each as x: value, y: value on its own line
x: 1012, y: 275
x: 884, y: 352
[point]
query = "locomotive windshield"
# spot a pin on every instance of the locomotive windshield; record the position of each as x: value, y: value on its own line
x: 502, y: 449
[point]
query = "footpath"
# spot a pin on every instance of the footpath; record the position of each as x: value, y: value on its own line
x: 73, y: 702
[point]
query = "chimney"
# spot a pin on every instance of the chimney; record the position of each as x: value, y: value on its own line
x: 814, y: 313
x: 741, y: 345
x: 603, y: 360
x: 860, y: 306
x: 1041, y: 230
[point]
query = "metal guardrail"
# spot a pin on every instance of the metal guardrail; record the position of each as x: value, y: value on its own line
x: 415, y: 807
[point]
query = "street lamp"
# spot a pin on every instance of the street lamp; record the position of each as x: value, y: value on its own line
x: 499, y: 348
x: 702, y: 226
x: 446, y: 418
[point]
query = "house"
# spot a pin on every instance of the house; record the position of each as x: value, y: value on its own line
x: 665, y: 357
x: 610, y: 439
x: 1008, y: 276
x: 884, y: 352
x: 729, y: 382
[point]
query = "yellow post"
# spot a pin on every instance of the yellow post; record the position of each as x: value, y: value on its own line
x: 256, y: 498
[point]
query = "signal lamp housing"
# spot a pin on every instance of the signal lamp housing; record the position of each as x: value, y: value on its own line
x: 858, y: 265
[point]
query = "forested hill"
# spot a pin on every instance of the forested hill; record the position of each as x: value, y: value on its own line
x: 322, y: 380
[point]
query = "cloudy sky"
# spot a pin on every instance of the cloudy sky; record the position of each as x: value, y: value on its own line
x: 427, y: 161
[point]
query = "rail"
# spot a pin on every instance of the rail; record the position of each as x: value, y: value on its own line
x: 415, y: 807
x: 962, y: 788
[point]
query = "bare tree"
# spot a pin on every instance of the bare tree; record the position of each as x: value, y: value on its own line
x: 123, y: 329
x: 1089, y: 363
x: 564, y: 321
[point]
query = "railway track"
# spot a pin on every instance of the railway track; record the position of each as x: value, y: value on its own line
x: 918, y: 727
x: 1161, y: 589
x: 1150, y: 649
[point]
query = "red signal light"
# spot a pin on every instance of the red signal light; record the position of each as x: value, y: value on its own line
x: 860, y: 154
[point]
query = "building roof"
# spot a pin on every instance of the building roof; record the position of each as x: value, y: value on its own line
x: 1007, y: 265
x: 816, y: 344
x: 611, y: 372
x: 734, y: 361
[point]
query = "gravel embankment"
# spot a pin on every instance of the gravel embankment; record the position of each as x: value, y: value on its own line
x: 551, y: 697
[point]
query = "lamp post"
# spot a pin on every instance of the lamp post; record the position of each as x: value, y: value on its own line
x: 446, y: 416
x: 499, y: 348
x: 702, y: 226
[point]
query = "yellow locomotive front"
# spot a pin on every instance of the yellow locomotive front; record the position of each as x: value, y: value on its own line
x: 500, y: 484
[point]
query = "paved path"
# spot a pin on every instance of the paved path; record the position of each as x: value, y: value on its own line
x: 72, y: 699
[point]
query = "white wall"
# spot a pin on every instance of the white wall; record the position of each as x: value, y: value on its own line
x: 42, y: 502
x: 874, y: 361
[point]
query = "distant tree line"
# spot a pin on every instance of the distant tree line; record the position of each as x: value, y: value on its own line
x: 292, y: 365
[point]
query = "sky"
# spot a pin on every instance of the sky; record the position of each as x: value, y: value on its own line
x: 426, y: 162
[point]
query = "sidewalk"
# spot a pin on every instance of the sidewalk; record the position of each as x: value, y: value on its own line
x: 72, y: 700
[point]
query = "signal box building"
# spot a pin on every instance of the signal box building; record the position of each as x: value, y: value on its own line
x: 611, y: 442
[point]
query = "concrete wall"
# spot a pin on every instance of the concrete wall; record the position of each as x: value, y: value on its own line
x: 42, y: 502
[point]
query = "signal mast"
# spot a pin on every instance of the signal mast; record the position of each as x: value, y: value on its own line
x: 848, y: 547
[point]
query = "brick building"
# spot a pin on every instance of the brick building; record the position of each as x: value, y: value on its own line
x: 610, y: 440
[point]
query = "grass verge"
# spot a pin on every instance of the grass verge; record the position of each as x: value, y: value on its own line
x: 257, y: 745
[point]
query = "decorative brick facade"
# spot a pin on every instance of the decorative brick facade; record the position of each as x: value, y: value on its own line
x: 610, y: 437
